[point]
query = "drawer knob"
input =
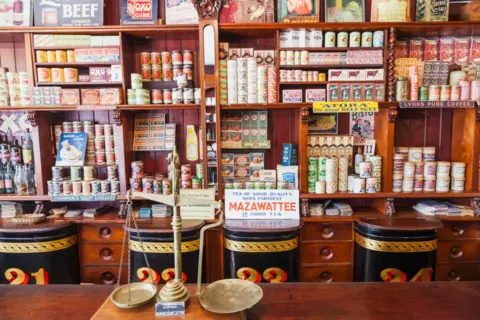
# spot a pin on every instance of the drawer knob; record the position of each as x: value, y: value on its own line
x: 326, y: 276
x: 106, y: 254
x: 453, y: 276
x: 105, y: 232
x: 326, y: 253
x: 457, y: 231
x: 107, y: 277
x: 327, y: 232
x: 456, y: 252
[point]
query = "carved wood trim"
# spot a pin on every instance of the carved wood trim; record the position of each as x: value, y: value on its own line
x: 304, y: 113
x: 207, y: 9
x: 475, y: 204
x: 477, y: 112
x: 389, y: 207
x: 31, y: 118
x: 117, y: 117
x: 305, y: 211
x: 392, y: 40
x: 392, y: 114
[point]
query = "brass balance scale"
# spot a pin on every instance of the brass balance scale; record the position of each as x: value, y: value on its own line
x: 223, y: 296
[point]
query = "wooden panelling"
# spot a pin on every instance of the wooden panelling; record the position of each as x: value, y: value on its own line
x: 101, y: 232
x: 327, y: 252
x: 102, y: 253
x: 326, y: 274
x: 453, y: 230
x: 213, y: 255
x: 107, y: 274
x: 460, y: 250
x: 327, y: 231
x: 468, y: 271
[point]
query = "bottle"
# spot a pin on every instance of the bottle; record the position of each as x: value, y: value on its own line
x: 2, y: 181
x: 30, y: 180
x: 358, y: 159
x: 8, y: 177
x: 192, y: 144
x: 18, y: 13
x: 5, y: 150
x: 16, y: 153
x: 209, y: 135
x: 27, y: 150
x: 21, y: 183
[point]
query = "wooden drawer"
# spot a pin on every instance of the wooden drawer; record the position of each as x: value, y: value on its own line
x: 326, y: 274
x: 327, y: 231
x: 102, y: 253
x: 327, y: 252
x: 468, y: 271
x: 103, y: 274
x: 460, y: 250
x: 459, y: 230
x: 102, y: 232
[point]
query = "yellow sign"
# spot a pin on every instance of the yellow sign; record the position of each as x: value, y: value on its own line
x: 345, y: 106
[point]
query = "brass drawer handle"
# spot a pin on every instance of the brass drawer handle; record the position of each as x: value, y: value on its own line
x: 456, y: 252
x: 457, y: 231
x: 107, y: 277
x: 326, y: 253
x: 105, y: 232
x: 453, y: 276
x: 327, y: 232
x: 326, y: 276
x: 106, y: 254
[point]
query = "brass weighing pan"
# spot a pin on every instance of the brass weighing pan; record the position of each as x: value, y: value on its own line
x: 140, y: 294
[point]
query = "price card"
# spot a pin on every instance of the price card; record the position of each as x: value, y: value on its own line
x: 369, y: 147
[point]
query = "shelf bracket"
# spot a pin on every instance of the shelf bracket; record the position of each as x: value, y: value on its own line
x: 122, y: 210
x: 31, y: 118
x: 207, y: 9
x: 389, y: 207
x: 304, y: 113
x: 392, y: 40
x: 475, y: 203
x: 38, y: 207
x: 117, y: 117
x: 305, y: 211
x: 392, y: 114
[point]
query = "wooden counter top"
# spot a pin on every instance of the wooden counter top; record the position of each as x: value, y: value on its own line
x: 435, y: 300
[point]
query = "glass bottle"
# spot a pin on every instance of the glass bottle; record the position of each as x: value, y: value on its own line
x: 8, y: 178
x: 2, y: 181
x: 27, y: 150
x: 18, y: 13
x: 30, y: 180
x: 5, y: 150
x: 358, y: 159
x: 16, y: 153
x: 21, y: 180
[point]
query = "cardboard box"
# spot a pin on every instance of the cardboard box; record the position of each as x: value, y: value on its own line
x: 289, y: 154
x: 70, y: 97
x: 111, y: 96
x: 90, y: 96
x: 292, y: 96
x: 98, y: 74
x: 312, y: 95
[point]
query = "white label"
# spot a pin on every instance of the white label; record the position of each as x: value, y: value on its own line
x: 262, y: 204
x: 369, y: 147
x: 204, y: 211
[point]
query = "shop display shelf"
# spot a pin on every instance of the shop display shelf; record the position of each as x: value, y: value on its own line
x: 379, y: 195
x: 76, y: 64
x: 331, y: 66
x: 80, y: 84
x: 335, y: 49
x: 157, y: 106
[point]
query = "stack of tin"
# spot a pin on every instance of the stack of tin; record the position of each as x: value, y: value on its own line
x: 187, y: 181
x: 81, y: 181
x: 415, y: 169
x: 252, y: 80
x: 242, y: 80
x: 368, y: 175
x: 166, y: 66
x: 272, y: 88
x: 262, y: 82
x: 223, y: 68
x: 14, y: 89
x: 232, y: 81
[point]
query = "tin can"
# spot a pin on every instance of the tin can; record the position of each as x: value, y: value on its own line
x: 100, y: 156
x: 409, y: 169
x: 99, y: 142
x: 112, y: 172
x: 105, y: 187
x: 137, y: 169
x: 188, y: 71
x: 57, y: 187
x: 199, y: 167
x: 167, y: 96
x: 50, y: 187
x: 145, y: 58
x: 136, y: 81
x: 358, y: 185
x: 157, y: 72
x: 402, y: 89
x: 378, y: 39
x: 115, y: 187
x: 57, y: 173
x: 77, y: 187
x: 77, y: 126
x: 283, y: 58
x: 423, y: 93
x: 196, y: 183
x: 188, y: 95
x: 186, y: 172
x: 167, y: 72
x: 110, y: 156
x: 142, y: 96
x: 44, y: 74
x: 290, y: 57
x: 136, y: 184
x: 365, y: 169
x: 177, y: 96
x: 197, y: 95
x: 304, y: 57
x: 464, y: 89
x: 455, y: 93
x: 177, y: 58
x: 86, y: 188
x: 330, y: 39
x: 297, y: 58
x: 67, y: 127
x: 342, y: 40
x: 108, y: 130
x: 429, y: 185
x: 87, y: 173
x: 147, y: 184
x: 61, y: 55
x: 166, y: 58
x: 430, y: 169
x: 290, y: 75
x: 298, y: 75
x: 146, y: 72
x: 71, y: 56
x: 157, y: 97
x: 187, y: 57
x: 304, y: 76
x: 322, y: 77
x: 176, y: 71
x: 58, y: 75
x: 41, y: 56
x: 156, y: 58
x: 229, y: 186
x: 67, y: 187
x: 310, y: 76
x: 311, y: 187
x: 415, y: 154
x: 71, y: 74
x: 407, y: 184
x: 367, y: 39
x: 186, y: 183
x: 371, y: 185
x: 443, y: 169
x: 434, y: 92
x: 260, y: 185
x: 166, y: 186
x: 91, y: 158
x: 282, y: 185
x: 445, y: 94
x: 157, y: 186
x: 250, y: 185
x: 99, y: 130
x: 458, y: 170
x: 76, y: 173
x: 131, y: 96
x: 96, y: 186
x: 51, y: 56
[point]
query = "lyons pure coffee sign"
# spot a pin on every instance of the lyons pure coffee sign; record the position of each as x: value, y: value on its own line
x: 68, y: 13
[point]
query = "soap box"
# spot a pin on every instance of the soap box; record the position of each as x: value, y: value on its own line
x: 312, y: 95
x: 292, y: 96
x: 289, y: 154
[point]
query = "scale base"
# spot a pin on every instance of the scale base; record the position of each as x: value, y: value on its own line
x: 171, y: 308
x: 172, y: 299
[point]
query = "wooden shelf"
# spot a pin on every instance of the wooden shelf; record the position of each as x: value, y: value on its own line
x: 378, y: 195
x: 76, y: 64
x: 316, y: 49
x: 77, y: 84
x: 74, y: 47
x: 14, y: 197
x: 281, y: 105
x: 300, y: 83
x: 331, y: 66
x: 157, y: 106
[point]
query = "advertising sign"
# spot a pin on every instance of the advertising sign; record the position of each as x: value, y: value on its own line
x: 68, y: 13
x: 352, y: 106
x: 139, y: 12
x: 198, y: 211
x: 262, y: 204
x: 15, y: 13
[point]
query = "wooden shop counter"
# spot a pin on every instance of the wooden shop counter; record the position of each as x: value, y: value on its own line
x: 440, y: 300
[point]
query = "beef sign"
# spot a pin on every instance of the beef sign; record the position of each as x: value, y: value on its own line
x: 68, y: 13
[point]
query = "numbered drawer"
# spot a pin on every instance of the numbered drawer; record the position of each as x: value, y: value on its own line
x: 459, y: 230
x: 102, y: 253
x: 103, y: 274
x: 326, y: 274
x: 469, y: 271
x: 326, y: 252
x: 461, y: 250
x: 327, y: 231
x: 102, y: 232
